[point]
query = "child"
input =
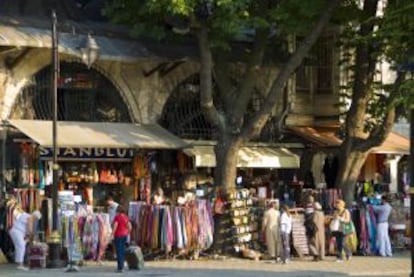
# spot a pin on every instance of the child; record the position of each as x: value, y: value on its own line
x: 285, y: 229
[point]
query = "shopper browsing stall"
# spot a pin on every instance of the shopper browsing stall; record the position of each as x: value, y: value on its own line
x: 121, y: 229
x: 343, y: 218
x: 383, y: 212
x: 21, y: 232
x: 317, y: 244
x: 270, y: 228
x: 285, y: 229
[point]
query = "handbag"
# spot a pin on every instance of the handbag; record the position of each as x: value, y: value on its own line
x: 334, y: 225
x: 348, y: 228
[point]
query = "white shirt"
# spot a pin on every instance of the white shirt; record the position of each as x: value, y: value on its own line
x: 112, y: 211
x: 21, y: 222
x: 285, y: 223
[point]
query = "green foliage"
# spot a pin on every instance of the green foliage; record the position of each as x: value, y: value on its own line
x: 391, y: 40
x: 229, y: 19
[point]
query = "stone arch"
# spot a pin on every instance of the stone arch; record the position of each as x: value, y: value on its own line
x: 84, y: 95
x: 36, y: 59
x: 169, y: 83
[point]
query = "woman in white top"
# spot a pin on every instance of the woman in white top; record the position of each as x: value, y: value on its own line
x: 22, y: 230
x: 285, y: 229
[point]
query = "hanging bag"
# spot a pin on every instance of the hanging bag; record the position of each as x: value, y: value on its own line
x: 348, y: 228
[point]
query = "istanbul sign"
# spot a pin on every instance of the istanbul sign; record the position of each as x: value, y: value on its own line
x: 69, y: 153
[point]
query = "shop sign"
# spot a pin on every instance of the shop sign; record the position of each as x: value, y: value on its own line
x: 69, y: 153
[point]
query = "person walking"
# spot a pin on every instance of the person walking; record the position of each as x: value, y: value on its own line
x: 285, y: 229
x: 317, y: 244
x: 342, y: 215
x: 120, y: 231
x: 383, y: 212
x: 20, y: 233
x: 270, y: 229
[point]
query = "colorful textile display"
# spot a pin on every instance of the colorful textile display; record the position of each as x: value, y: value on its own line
x: 94, y: 231
x: 327, y: 197
x: 365, y: 226
x: 164, y: 227
x: 71, y: 237
x: 28, y: 199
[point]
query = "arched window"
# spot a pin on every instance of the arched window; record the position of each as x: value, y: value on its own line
x: 83, y: 95
x: 183, y: 117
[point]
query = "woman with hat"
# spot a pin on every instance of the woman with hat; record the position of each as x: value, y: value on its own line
x: 20, y: 233
x: 343, y: 215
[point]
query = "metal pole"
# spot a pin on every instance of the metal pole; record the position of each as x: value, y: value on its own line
x: 412, y: 186
x: 54, y: 106
x: 54, y: 239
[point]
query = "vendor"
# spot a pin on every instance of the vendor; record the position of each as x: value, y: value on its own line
x: 22, y: 231
x: 158, y: 198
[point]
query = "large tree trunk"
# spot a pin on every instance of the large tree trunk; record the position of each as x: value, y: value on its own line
x: 350, y: 164
x: 226, y: 162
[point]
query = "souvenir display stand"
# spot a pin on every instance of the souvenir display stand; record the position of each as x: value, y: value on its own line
x: 168, y: 229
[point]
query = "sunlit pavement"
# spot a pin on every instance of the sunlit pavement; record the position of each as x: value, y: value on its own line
x: 399, y: 266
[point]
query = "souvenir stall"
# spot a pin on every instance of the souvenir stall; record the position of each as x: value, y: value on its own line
x: 92, y: 166
x: 171, y: 229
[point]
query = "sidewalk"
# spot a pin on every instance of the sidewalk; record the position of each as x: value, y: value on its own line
x: 358, y: 266
x: 398, y: 266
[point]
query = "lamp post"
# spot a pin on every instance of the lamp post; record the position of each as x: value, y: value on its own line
x: 89, y: 51
x: 54, y: 238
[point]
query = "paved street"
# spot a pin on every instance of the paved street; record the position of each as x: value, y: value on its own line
x: 398, y: 266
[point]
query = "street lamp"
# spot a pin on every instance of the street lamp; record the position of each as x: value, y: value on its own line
x: 89, y: 51
x: 54, y: 238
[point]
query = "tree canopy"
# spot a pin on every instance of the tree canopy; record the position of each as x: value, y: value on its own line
x: 217, y: 25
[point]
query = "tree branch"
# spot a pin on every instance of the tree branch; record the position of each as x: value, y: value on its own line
x: 365, y: 62
x: 378, y: 135
x: 255, y: 125
x: 206, y: 80
x: 223, y: 79
x: 249, y: 79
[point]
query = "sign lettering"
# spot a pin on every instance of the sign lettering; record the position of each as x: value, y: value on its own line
x: 69, y: 153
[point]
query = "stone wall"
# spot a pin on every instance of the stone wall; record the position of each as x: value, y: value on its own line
x: 144, y: 94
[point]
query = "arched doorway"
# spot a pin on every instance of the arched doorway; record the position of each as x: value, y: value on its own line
x: 83, y: 95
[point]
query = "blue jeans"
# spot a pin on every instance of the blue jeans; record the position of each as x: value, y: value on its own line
x: 341, y: 245
x: 120, y: 251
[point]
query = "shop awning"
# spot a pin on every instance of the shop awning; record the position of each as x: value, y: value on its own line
x: 249, y: 156
x: 326, y: 137
x: 99, y: 134
x: 394, y: 144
